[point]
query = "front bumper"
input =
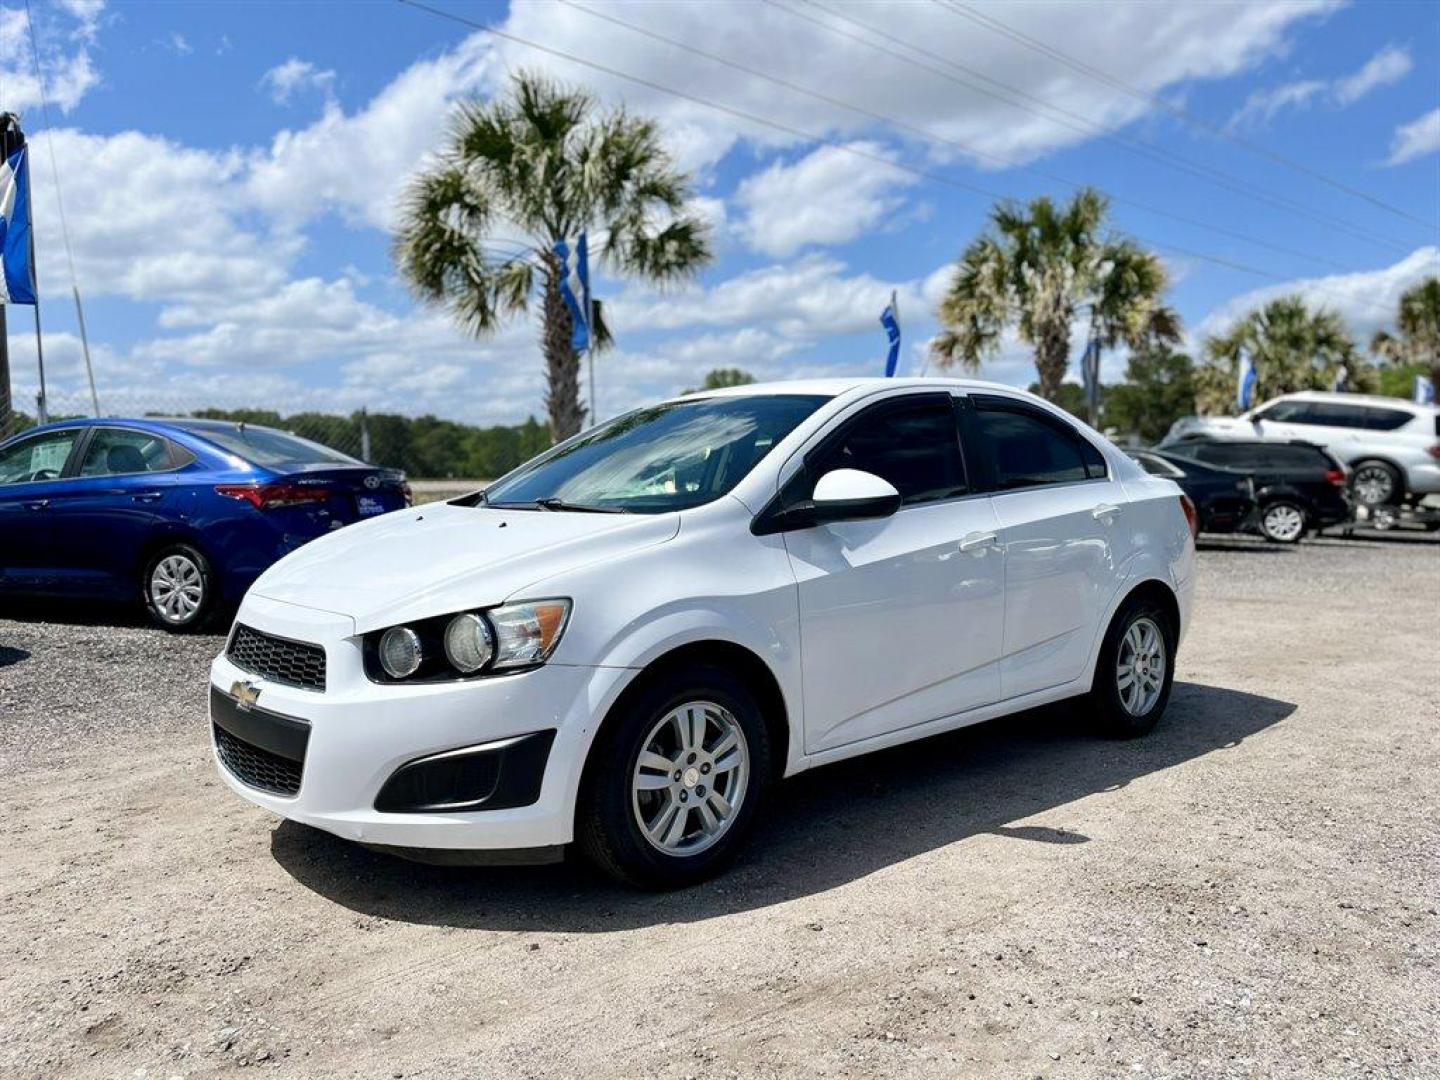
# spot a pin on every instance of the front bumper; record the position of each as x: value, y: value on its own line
x: 360, y: 734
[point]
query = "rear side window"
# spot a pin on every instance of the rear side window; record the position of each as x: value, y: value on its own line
x: 1023, y: 448
x: 915, y: 446
x: 1382, y: 419
x: 116, y: 452
x: 1261, y: 455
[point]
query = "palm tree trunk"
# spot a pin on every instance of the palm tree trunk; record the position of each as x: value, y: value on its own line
x: 1052, y: 358
x: 562, y: 364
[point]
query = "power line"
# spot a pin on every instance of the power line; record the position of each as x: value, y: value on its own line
x: 799, y: 133
x: 926, y: 133
x: 997, y: 26
x: 1012, y: 95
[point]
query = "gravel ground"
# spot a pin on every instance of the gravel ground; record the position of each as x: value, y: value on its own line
x: 1250, y: 891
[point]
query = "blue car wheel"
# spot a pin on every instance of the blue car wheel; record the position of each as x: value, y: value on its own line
x: 179, y: 588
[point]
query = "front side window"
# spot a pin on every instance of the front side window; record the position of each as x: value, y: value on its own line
x: 1026, y: 450
x: 665, y: 457
x: 1287, y: 412
x: 41, y: 457
x: 914, y: 446
x: 114, y: 452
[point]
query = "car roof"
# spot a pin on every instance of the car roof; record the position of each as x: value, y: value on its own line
x: 1346, y: 398
x: 837, y: 386
x: 158, y: 424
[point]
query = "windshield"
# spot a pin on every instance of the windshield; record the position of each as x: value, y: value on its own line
x: 266, y: 446
x: 665, y: 457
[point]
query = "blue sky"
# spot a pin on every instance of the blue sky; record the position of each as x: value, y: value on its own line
x: 230, y: 173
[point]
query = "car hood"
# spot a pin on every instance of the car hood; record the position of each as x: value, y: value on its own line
x: 437, y: 558
x: 1209, y: 425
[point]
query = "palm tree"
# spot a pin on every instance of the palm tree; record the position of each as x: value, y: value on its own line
x: 1037, y: 267
x: 520, y: 172
x: 1294, y: 348
x: 1419, y: 323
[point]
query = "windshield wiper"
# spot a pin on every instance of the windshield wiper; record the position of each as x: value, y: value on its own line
x: 554, y: 503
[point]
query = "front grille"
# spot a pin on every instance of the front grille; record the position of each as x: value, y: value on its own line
x: 293, y: 663
x: 256, y: 767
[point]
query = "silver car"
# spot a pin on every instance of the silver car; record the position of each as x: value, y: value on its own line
x: 1391, y: 446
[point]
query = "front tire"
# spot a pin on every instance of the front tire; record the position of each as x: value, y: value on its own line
x: 1283, y: 522
x: 676, y: 783
x: 1134, y: 671
x: 178, y: 588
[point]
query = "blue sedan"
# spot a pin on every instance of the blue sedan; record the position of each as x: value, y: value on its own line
x: 182, y: 515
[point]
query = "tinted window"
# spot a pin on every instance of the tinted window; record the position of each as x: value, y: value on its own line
x: 265, y: 446
x: 114, y: 452
x: 1156, y: 466
x: 915, y: 446
x: 1260, y: 455
x: 40, y: 457
x: 1381, y: 419
x: 665, y: 457
x: 1288, y: 412
x: 1024, y: 449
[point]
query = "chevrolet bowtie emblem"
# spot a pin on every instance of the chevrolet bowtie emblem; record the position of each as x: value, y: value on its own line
x: 244, y: 693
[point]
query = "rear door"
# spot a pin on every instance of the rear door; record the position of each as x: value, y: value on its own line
x: 32, y: 469
x: 1059, y: 514
x: 121, y: 497
x: 900, y: 618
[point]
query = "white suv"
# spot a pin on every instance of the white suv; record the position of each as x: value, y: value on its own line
x: 1391, y: 446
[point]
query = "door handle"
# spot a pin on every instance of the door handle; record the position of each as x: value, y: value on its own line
x: 37, y: 504
x: 147, y: 496
x: 1105, y: 512
x: 978, y: 541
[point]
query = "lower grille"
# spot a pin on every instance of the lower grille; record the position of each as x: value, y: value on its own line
x: 257, y: 767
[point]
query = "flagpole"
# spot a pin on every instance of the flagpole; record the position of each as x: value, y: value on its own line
x: 590, y: 337
x: 85, y: 348
x: 40, y: 402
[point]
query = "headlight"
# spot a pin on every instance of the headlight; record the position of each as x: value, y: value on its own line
x: 467, y: 644
x: 400, y: 652
x: 527, y: 634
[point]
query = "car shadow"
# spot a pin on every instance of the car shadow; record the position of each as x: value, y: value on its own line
x: 824, y: 828
x: 9, y: 654
x: 71, y: 611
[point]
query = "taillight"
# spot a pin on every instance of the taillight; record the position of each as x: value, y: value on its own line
x: 1434, y: 451
x: 1335, y: 476
x: 1192, y: 517
x: 274, y: 496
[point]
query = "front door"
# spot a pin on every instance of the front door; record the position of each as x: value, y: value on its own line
x: 1058, y: 514
x: 898, y: 624
x: 31, y: 470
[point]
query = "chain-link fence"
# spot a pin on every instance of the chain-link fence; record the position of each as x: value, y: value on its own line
x: 425, y: 447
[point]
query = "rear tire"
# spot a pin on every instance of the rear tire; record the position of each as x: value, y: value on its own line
x: 1376, y: 483
x: 178, y: 589
x: 1283, y: 522
x: 676, y: 783
x: 1134, y: 671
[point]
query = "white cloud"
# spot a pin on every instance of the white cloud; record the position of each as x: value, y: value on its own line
x: 1262, y: 106
x: 1416, y: 139
x: 1367, y: 300
x: 177, y: 43
x: 284, y: 81
x: 1389, y: 65
x: 68, y: 72
x: 827, y: 197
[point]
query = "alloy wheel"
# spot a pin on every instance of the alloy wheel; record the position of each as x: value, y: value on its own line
x: 1284, y: 522
x: 1140, y: 667
x: 177, y: 588
x: 1373, y: 485
x: 690, y: 778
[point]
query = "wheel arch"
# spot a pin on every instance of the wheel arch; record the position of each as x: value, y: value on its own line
x: 1353, y: 464
x: 738, y: 659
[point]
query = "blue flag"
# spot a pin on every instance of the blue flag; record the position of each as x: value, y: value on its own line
x: 17, y: 283
x: 1245, y: 386
x: 575, y: 288
x: 1424, y: 390
x: 890, y: 320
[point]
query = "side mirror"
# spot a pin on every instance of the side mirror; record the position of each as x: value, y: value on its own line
x: 849, y: 494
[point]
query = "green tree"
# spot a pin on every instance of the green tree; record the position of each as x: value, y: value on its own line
x: 1418, y: 320
x: 1159, y: 388
x: 543, y: 162
x: 1037, y: 268
x: 719, y: 378
x: 1294, y: 347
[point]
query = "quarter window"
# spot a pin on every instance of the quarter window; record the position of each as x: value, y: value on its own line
x: 1024, y: 449
x: 114, y: 452
x: 915, y: 446
x: 41, y: 457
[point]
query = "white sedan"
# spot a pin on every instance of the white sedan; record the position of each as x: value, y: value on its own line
x: 626, y: 643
